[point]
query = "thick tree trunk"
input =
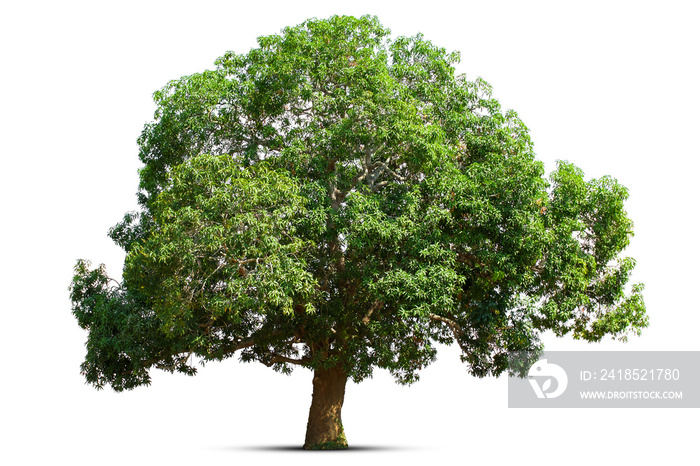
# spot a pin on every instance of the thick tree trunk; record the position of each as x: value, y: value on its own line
x: 324, y: 430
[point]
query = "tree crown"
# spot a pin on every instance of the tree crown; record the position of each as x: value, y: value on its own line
x: 336, y: 198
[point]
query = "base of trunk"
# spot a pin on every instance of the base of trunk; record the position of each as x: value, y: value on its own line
x: 324, y: 430
x: 339, y: 443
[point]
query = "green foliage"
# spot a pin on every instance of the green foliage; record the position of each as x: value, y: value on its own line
x: 124, y: 337
x: 336, y: 197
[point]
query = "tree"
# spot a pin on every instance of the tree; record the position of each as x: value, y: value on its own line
x: 341, y: 201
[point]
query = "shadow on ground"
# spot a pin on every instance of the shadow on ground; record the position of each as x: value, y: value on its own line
x: 298, y: 448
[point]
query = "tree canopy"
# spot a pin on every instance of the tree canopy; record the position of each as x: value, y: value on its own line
x: 340, y: 200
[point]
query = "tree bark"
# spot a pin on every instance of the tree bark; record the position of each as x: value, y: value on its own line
x: 324, y: 430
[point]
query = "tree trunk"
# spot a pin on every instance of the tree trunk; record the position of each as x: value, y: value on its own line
x: 324, y: 430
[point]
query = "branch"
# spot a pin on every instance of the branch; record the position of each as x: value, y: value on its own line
x: 336, y: 196
x: 359, y: 177
x: 466, y: 258
x: 375, y: 187
x: 367, y: 165
x: 454, y: 326
x: 250, y: 341
x: 276, y: 358
x: 117, y: 285
x: 247, y: 261
x: 246, y: 343
x: 376, y: 305
x: 386, y: 167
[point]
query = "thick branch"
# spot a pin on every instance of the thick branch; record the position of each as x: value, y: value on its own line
x: 337, y: 196
x: 276, y: 358
x: 375, y: 187
x: 246, y: 343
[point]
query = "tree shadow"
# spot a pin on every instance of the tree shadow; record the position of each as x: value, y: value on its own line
x: 299, y: 448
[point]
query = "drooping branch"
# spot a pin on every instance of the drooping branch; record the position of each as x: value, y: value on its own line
x: 454, y: 326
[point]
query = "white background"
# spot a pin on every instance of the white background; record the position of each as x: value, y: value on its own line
x: 611, y: 86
